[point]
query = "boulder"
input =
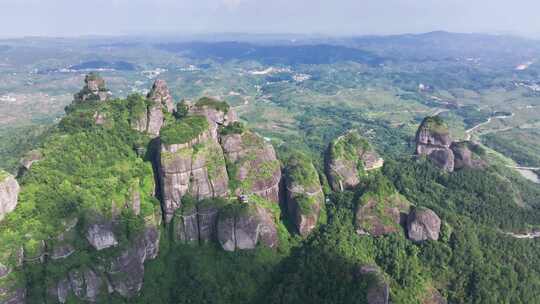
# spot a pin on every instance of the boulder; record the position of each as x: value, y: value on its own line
x: 433, y: 140
x: 93, y: 90
x: 9, y: 193
x: 348, y: 158
x: 304, y: 193
x: 253, y: 164
x: 161, y: 95
x: 242, y: 227
x: 423, y: 224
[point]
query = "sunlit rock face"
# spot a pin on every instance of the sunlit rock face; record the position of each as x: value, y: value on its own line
x: 9, y: 193
x: 423, y: 224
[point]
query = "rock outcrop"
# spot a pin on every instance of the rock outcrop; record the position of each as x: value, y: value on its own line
x: 381, y: 213
x: 100, y: 235
x: 29, y: 159
x: 423, y: 224
x: 378, y: 291
x: 305, y: 197
x: 252, y: 165
x: 9, y: 193
x: 218, y: 113
x: 196, y: 167
x: 161, y: 95
x: 242, y: 227
x: 464, y: 157
x: 348, y: 158
x: 148, y: 116
x: 84, y: 284
x: 433, y: 140
x: 94, y: 90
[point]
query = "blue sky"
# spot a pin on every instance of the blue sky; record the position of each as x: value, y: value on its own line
x: 341, y: 17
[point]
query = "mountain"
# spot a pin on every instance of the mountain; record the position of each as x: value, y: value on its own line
x: 144, y: 200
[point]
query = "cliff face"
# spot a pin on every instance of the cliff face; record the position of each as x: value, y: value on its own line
x: 9, y: 193
x: 252, y: 165
x: 305, y: 197
x: 196, y: 168
x: 242, y: 227
x: 348, y: 158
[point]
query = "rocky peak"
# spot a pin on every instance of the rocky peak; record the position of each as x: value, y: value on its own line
x: 348, y: 158
x: 423, y: 224
x: 9, y: 193
x: 160, y: 94
x: 93, y: 90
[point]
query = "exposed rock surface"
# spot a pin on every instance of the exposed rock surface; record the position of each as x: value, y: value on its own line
x: 348, y: 158
x: 149, y: 117
x: 100, y: 235
x: 218, y: 113
x: 9, y: 193
x: 84, y: 284
x: 242, y: 228
x: 304, y: 194
x: 254, y: 165
x: 433, y: 140
x: 380, y: 214
x: 94, y: 89
x: 161, y: 95
x: 423, y: 224
x: 196, y: 168
x: 378, y: 291
x: 464, y: 157
x: 434, y: 297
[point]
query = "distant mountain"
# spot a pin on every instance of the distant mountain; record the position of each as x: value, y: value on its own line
x: 276, y: 54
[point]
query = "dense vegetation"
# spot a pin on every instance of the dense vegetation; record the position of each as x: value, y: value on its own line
x: 520, y: 145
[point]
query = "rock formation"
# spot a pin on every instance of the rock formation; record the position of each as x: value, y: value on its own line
x: 433, y: 140
x: 348, y: 158
x: 148, y: 116
x: 242, y: 227
x: 196, y: 167
x: 423, y: 224
x: 380, y: 214
x: 304, y: 193
x: 29, y: 159
x: 252, y: 164
x: 160, y: 94
x: 100, y: 235
x: 9, y: 193
x: 94, y: 90
x: 378, y: 291
x: 218, y: 113
x: 464, y: 157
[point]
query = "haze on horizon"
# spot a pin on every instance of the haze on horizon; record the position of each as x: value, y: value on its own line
x: 337, y: 17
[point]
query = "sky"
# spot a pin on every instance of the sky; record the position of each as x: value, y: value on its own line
x: 330, y: 17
